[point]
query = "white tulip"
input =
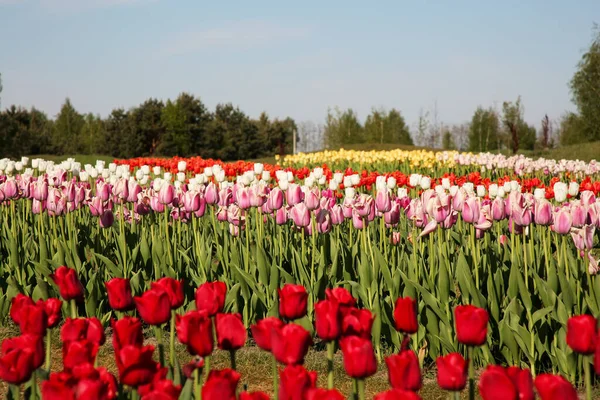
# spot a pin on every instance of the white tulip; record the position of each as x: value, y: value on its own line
x: 258, y: 168
x: 391, y: 182
x: 414, y: 180
x: 493, y: 190
x: 181, y: 165
x: 480, y: 191
x: 573, y: 189
x: 425, y: 182
x: 446, y: 183
x: 560, y: 191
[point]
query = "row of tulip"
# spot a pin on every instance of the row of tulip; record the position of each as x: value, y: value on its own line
x: 339, y: 324
x: 529, y: 260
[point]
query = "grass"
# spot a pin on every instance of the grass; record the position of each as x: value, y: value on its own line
x: 82, y: 158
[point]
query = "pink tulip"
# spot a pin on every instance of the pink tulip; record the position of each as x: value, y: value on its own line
x: 383, y: 203
x: 395, y: 239
x: 234, y: 215
x: 503, y: 240
x: 450, y: 220
x: 497, y: 208
x: 103, y: 190
x: 156, y: 205
x: 347, y: 207
x: 484, y: 222
x: 38, y: 207
x: 234, y: 230
x: 258, y: 196
x: 312, y: 199
x: 359, y: 222
x: 583, y: 237
x: 281, y: 216
x: 470, y: 210
x: 543, y: 213
x: 69, y: 192
x: 80, y: 195
x: 211, y: 194
x: 562, y: 221
x: 300, y: 215
x: 459, y: 199
x: 166, y: 193
x: 40, y: 191
x: 222, y: 214
x: 587, y: 198
x: 191, y: 201
x: 225, y: 197
x: 134, y: 189
x: 430, y: 227
x: 201, y: 206
x: 337, y: 214
x: 392, y: 216
x: 324, y: 221
x: 578, y: 214
x: 293, y: 194
x: 275, y: 199
x: 243, y: 197
x: 96, y: 206
x: 363, y: 204
x: 121, y: 189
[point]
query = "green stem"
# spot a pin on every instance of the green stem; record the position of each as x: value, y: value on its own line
x: 73, y: 309
x: 161, y: 349
x: 361, y: 389
x: 33, y: 392
x: 355, y: 389
x: 197, y: 384
x: 471, y: 374
x: 455, y: 395
x: 172, y: 340
x: 134, y: 394
x: 15, y: 391
x: 206, y: 367
x: 275, y: 378
x: 330, y: 353
x: 232, y: 360
x: 588, y: 378
x: 48, y: 346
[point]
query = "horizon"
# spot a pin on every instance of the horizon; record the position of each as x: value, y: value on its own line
x: 295, y: 61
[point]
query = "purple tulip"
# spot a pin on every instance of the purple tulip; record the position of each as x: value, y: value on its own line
x: 212, y: 194
x: 96, y: 206
x: 134, y: 189
x: 142, y: 207
x: 392, y: 217
x: 107, y: 219
x: 201, y: 206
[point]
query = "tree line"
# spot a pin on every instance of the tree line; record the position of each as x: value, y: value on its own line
x: 183, y: 127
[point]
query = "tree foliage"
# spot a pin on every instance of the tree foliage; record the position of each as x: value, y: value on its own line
x: 484, y: 130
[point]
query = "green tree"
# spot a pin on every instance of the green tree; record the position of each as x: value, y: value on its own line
x: 520, y: 135
x: 585, y: 89
x: 146, y: 128
x: 483, y: 130
x: 117, y: 132
x: 386, y: 127
x: 342, y: 128
x: 448, y: 141
x: 92, y: 134
x: 67, y: 138
x: 571, y: 129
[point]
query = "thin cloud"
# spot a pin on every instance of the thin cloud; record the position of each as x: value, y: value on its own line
x: 79, y: 5
x: 233, y: 35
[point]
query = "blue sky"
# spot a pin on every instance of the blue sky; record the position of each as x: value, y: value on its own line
x: 297, y: 58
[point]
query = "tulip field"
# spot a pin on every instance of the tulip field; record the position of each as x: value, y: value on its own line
x: 480, y: 267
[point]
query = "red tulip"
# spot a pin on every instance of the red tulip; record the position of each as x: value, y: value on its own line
x: 397, y: 394
x: 69, y: 286
x: 452, y: 371
x: 78, y: 352
x: 84, y: 382
x: 471, y: 325
x: 324, y: 394
x: 358, y: 322
x: 328, y: 320
x: 154, y: 306
x: 290, y: 344
x: 136, y: 365
x: 127, y: 331
x: 16, y: 366
x: 53, y: 308
x: 359, y: 358
x: 17, y: 304
x: 221, y: 385
x: 295, y: 381
x: 554, y: 387
x: 404, y: 371
x: 500, y: 383
x: 261, y: 331
x: 342, y: 296
x: 194, y: 329
x: 210, y: 297
x: 231, y: 332
x: 292, y: 301
x: 405, y: 315
x: 119, y: 294
x: 160, y: 388
x: 33, y: 320
x: 32, y: 342
x: 174, y: 289
x: 581, y: 334
x: 75, y: 329
x: 254, y: 396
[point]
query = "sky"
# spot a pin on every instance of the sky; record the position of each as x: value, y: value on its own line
x: 296, y: 59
